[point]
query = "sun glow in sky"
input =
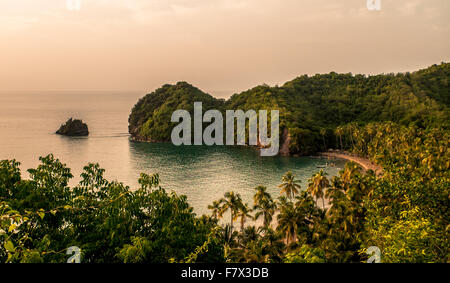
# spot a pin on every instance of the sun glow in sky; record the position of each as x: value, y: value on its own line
x: 218, y: 45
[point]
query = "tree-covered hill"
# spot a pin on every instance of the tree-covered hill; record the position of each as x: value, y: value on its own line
x: 150, y: 117
x: 312, y: 107
x: 399, y: 121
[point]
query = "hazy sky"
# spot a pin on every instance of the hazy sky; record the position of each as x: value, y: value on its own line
x: 218, y: 45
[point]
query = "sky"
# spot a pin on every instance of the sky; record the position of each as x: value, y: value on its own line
x: 220, y: 46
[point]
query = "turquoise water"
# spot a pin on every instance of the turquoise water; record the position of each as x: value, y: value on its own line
x: 28, y: 122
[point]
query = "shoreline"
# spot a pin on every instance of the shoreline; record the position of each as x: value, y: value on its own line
x: 365, y: 163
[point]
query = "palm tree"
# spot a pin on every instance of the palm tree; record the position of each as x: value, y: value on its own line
x: 232, y: 202
x: 287, y: 222
x: 261, y: 195
x: 339, y: 132
x: 317, y: 186
x: 342, y: 216
x: 251, y: 233
x: 215, y: 207
x: 335, y: 191
x: 306, y: 208
x: 254, y: 252
x: 264, y: 205
x: 273, y: 244
x: 290, y: 186
x: 228, y: 236
x: 323, y: 132
x: 350, y: 171
x: 350, y: 128
x: 244, y: 213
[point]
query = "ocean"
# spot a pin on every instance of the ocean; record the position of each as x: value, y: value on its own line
x: 29, y: 120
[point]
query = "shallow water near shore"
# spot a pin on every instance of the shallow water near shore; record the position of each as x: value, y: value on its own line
x: 28, y: 121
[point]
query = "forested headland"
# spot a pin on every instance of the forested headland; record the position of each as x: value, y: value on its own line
x: 399, y: 121
x: 313, y: 109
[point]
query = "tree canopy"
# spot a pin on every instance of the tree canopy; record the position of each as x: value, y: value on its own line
x: 312, y: 107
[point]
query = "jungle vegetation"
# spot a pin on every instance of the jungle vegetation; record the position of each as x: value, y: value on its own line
x: 404, y: 211
x: 398, y: 121
x: 312, y: 108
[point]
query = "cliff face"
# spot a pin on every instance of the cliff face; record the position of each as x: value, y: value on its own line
x: 73, y: 128
x: 286, y: 140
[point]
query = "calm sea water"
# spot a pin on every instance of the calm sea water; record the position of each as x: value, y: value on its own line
x: 28, y: 121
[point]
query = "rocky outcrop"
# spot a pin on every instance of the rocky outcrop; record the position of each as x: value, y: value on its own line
x: 286, y: 139
x: 73, y: 128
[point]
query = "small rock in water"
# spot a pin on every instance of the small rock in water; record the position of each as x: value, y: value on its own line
x: 73, y: 128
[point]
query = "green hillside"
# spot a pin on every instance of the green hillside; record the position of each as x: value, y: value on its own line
x: 399, y: 122
x: 313, y: 107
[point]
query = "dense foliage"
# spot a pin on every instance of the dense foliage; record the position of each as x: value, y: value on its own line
x: 150, y: 118
x: 403, y: 211
x: 312, y: 107
x: 42, y: 217
x: 398, y: 121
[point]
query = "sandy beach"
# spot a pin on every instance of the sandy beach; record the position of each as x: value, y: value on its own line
x: 365, y: 163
